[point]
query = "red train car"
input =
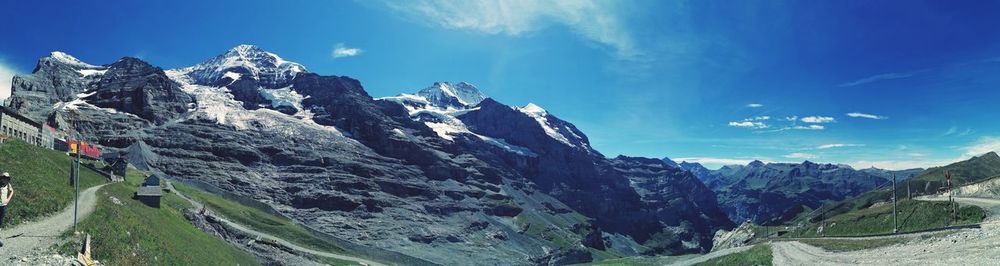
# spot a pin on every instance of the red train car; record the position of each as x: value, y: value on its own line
x: 88, y: 150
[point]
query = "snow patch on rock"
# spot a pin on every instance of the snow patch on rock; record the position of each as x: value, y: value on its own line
x: 540, y: 115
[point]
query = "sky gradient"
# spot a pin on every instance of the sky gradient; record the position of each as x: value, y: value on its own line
x: 892, y: 84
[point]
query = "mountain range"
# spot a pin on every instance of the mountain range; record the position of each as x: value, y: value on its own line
x: 445, y: 175
x: 772, y: 193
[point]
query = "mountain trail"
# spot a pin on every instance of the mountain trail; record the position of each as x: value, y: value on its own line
x: 34, y: 238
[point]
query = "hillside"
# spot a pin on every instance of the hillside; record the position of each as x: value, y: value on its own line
x: 972, y: 170
x: 928, y: 182
x: 40, y: 178
x: 127, y: 232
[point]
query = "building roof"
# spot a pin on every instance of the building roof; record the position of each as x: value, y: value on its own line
x: 149, y: 191
x: 8, y: 111
x: 152, y: 180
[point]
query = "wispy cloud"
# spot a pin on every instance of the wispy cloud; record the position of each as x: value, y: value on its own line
x: 748, y: 124
x: 869, y: 116
x: 818, y: 119
x: 800, y: 155
x: 599, y: 21
x: 341, y: 50
x: 957, y: 132
x: 754, y: 105
x: 880, y: 77
x: 809, y: 127
x: 837, y: 145
x: 6, y: 76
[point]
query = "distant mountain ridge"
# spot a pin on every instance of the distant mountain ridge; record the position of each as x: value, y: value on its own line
x: 930, y: 181
x: 774, y: 192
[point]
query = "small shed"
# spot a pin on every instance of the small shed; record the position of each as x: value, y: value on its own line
x: 115, y: 162
x: 149, y: 192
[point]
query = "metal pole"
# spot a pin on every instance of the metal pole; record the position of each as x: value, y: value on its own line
x: 76, y: 182
x: 895, y: 226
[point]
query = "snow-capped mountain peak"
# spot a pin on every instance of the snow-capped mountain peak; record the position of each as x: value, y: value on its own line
x: 458, y: 95
x: 533, y: 109
x: 245, y: 61
x: 68, y: 59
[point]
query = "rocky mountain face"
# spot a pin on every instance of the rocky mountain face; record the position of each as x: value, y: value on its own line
x: 443, y: 176
x: 658, y: 185
x: 776, y: 192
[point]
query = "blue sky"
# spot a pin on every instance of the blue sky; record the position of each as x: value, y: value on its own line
x: 893, y: 84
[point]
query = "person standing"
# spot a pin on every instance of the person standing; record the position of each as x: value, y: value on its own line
x: 6, y: 193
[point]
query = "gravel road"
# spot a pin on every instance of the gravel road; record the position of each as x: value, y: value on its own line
x: 964, y: 247
x: 36, y: 237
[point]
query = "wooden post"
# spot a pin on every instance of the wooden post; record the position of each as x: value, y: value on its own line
x: 951, y: 197
x: 909, y: 193
x: 895, y: 226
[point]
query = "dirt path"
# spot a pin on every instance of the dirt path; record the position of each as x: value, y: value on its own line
x: 710, y: 255
x: 36, y: 237
x: 283, y: 242
x: 965, y: 247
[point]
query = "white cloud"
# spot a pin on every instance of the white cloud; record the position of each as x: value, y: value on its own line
x: 748, y: 124
x: 818, y: 119
x: 758, y: 118
x: 755, y: 105
x: 809, y: 127
x: 837, y: 145
x: 864, y: 115
x: 6, y: 76
x: 599, y: 21
x: 800, y: 155
x: 340, y: 50
x: 982, y: 146
x: 792, y: 118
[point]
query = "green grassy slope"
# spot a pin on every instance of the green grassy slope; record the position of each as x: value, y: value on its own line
x: 136, y: 234
x: 913, y: 216
x: 839, y: 245
x: 757, y: 255
x: 259, y: 219
x: 40, y: 178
